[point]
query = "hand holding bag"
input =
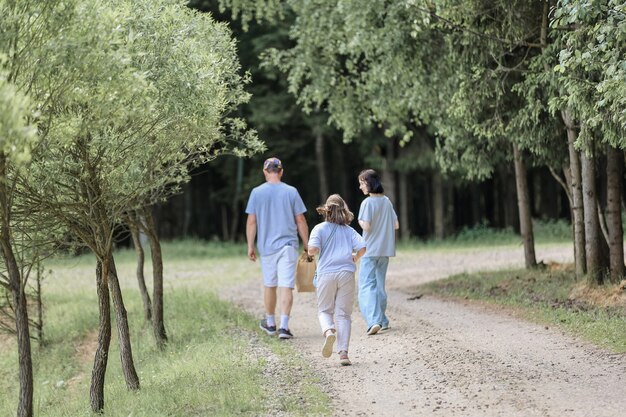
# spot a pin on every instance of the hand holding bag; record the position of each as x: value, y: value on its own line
x: 305, y: 271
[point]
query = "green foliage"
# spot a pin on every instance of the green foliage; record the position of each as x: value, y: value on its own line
x: 592, y: 67
x: 356, y: 61
x: 397, y: 65
x: 17, y: 135
x: 552, y: 231
x: 479, y: 73
x: 131, y: 94
x: 470, y: 236
x: 248, y: 10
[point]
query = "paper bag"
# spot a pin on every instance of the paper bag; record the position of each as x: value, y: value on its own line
x: 305, y: 271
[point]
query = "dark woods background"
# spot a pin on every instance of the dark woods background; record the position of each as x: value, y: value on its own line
x: 318, y: 163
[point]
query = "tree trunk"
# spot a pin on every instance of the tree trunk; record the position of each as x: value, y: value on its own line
x: 96, y: 391
x: 592, y: 223
x: 18, y: 295
x: 509, y: 202
x: 388, y: 174
x: 602, y: 220
x: 39, y: 324
x: 405, y: 231
x: 187, y: 195
x: 565, y: 182
x: 578, y: 212
x: 321, y: 166
x: 224, y: 222
x: 523, y: 204
x: 567, y: 174
x: 427, y: 203
x: 448, y: 221
x: 614, y: 173
x: 143, y: 290
x: 158, y: 325
x: 475, y: 204
x: 496, y: 199
x: 438, y: 205
x: 236, y: 212
x: 123, y: 333
x: 341, y: 184
x: 25, y: 403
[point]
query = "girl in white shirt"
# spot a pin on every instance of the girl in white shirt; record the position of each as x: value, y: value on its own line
x: 340, y: 247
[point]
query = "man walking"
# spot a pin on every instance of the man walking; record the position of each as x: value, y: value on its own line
x: 276, y: 218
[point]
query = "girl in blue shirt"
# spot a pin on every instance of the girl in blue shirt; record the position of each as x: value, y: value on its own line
x: 379, y: 222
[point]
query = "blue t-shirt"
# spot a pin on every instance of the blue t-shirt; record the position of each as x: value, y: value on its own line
x: 336, y: 252
x: 381, y: 238
x: 275, y: 206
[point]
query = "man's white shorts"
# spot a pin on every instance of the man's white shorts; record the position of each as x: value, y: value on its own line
x: 279, y: 268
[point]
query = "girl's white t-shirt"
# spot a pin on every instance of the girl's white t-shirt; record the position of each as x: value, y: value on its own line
x: 336, y: 250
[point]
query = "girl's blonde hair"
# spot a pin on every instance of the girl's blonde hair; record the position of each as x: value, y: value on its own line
x: 335, y: 210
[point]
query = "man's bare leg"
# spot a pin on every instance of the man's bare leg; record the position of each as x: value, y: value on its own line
x: 269, y: 297
x: 286, y: 300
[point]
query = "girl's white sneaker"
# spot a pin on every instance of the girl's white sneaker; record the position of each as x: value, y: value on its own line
x: 327, y: 349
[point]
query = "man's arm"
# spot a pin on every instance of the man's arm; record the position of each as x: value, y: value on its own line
x: 364, y: 225
x: 251, y: 235
x: 396, y: 225
x: 303, y: 230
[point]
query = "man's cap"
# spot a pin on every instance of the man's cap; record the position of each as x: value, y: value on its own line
x: 272, y: 162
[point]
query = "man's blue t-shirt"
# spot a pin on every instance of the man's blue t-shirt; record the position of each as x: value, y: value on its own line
x: 337, y: 248
x: 275, y: 206
x: 381, y: 238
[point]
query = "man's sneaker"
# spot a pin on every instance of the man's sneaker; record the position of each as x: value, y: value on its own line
x: 385, y: 328
x: 343, y: 358
x: 327, y: 349
x: 284, y: 334
x: 374, y: 328
x: 270, y: 330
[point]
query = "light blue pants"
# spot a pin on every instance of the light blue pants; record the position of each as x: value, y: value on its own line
x: 372, y: 294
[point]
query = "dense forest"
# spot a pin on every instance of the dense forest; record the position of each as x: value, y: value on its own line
x: 430, y: 202
x: 475, y: 113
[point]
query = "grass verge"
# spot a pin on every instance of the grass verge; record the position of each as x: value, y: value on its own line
x: 216, y: 363
x: 549, y: 297
x: 545, y: 232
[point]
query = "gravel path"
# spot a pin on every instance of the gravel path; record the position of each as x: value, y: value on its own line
x: 456, y: 359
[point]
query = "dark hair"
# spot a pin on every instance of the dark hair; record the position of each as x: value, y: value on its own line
x: 372, y: 180
x: 335, y: 210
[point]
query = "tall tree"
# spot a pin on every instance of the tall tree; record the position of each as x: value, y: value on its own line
x: 134, y: 221
x: 15, y: 132
x: 24, y: 31
x: 592, y: 78
x: 594, y: 239
x: 152, y: 87
x: 615, y: 181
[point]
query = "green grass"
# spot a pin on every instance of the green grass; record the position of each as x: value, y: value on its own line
x: 210, y: 366
x: 545, y: 231
x: 543, y: 297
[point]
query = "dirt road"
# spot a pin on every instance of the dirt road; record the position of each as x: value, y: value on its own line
x: 450, y: 359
